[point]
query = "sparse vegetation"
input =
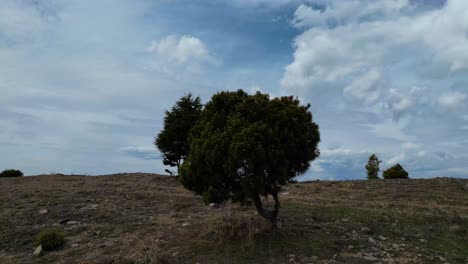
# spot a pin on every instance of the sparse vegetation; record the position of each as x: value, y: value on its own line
x: 144, y: 218
x: 245, y: 147
x: 11, y: 173
x: 395, y: 172
x: 372, y: 167
x: 50, y: 239
x: 172, y: 141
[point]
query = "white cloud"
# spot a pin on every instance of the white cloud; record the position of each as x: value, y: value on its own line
x: 365, y: 88
x: 397, y: 159
x: 399, y: 104
x: 345, y: 12
x: 452, y: 100
x: 345, y: 51
x: 181, y: 50
x: 410, y: 145
x: 20, y: 21
x: 386, y: 66
x: 390, y: 130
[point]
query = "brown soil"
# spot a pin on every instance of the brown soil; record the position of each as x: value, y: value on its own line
x: 147, y: 218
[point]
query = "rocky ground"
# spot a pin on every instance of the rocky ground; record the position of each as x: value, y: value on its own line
x: 146, y: 218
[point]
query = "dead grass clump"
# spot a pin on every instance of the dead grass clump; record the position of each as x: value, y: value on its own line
x: 234, y: 225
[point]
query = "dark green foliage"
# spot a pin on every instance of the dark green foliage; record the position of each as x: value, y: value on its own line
x: 212, y: 196
x: 395, y: 172
x: 11, y: 173
x: 172, y: 140
x: 372, y: 167
x: 248, y: 146
x: 50, y: 239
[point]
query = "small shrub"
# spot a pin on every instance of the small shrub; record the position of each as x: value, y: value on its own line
x: 50, y: 239
x: 395, y: 172
x: 11, y: 173
x: 212, y: 196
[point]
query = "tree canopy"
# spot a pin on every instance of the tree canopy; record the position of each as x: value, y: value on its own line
x: 172, y: 141
x: 395, y: 172
x: 372, y: 167
x: 247, y: 146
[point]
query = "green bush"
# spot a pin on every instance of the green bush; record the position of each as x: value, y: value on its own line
x: 212, y: 196
x: 50, y: 239
x: 395, y: 172
x: 11, y: 173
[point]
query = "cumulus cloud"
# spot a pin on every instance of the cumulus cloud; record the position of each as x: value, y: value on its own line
x: 385, y: 66
x: 338, y: 13
x: 182, y: 50
x: 365, y: 88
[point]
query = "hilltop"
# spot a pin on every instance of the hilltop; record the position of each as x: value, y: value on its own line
x: 148, y: 218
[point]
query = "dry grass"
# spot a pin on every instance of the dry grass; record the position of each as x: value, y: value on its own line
x: 144, y: 218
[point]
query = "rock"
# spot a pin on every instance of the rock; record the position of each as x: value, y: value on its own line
x: 43, y: 211
x: 423, y: 240
x: 92, y: 206
x: 64, y: 221
x: 371, y: 240
x: 108, y: 244
x: 38, y: 251
x: 382, y: 238
x: 396, y: 246
x: 370, y: 258
x: 185, y: 224
x: 345, y: 220
x: 365, y: 230
x: 285, y: 193
x: 72, y: 222
x: 212, y: 205
x: 292, y: 256
x: 442, y: 259
x: 96, y: 233
x: 75, y: 245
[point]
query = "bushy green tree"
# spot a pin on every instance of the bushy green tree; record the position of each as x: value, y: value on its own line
x: 11, y: 173
x: 245, y: 147
x: 395, y: 172
x: 372, y: 167
x: 172, y: 141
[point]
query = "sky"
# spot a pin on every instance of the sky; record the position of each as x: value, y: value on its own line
x: 84, y: 84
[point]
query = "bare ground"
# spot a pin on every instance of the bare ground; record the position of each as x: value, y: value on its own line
x: 147, y: 218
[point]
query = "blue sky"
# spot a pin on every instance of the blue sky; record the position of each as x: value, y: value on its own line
x: 85, y: 83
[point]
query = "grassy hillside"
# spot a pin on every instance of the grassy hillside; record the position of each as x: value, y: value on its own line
x: 146, y: 218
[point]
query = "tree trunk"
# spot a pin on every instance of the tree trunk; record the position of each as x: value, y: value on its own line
x: 271, y: 215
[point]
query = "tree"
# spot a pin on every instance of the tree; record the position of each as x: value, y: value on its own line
x: 172, y: 141
x: 11, y: 173
x: 395, y: 172
x: 245, y: 147
x: 372, y: 167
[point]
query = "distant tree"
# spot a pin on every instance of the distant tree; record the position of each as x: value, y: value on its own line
x: 172, y: 140
x: 395, y: 172
x: 245, y: 147
x: 373, y: 168
x: 11, y: 173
